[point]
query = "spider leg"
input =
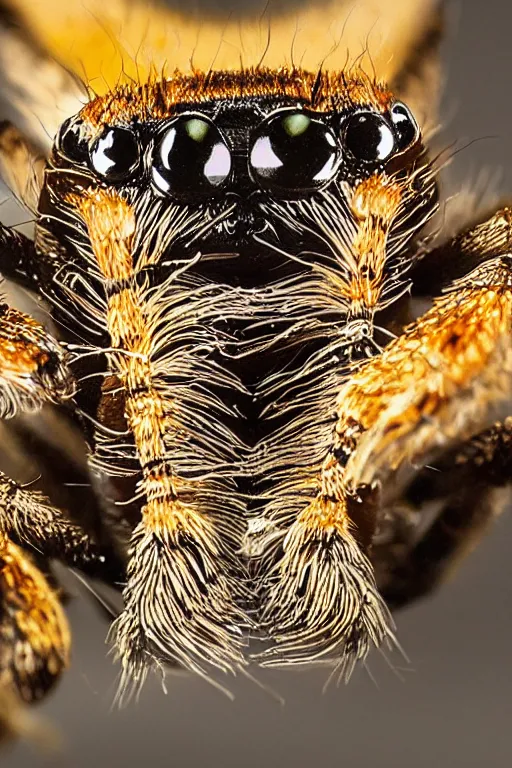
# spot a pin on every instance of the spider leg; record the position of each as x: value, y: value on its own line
x: 446, y: 378
x: 471, y: 478
x: 34, y: 633
x: 184, y: 580
x: 31, y: 521
x: 34, y: 372
x: 17, y: 257
x: 33, y: 368
x: 485, y: 239
x: 469, y: 484
x: 22, y: 170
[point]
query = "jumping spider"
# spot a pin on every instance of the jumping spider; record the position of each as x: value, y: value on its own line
x: 233, y: 262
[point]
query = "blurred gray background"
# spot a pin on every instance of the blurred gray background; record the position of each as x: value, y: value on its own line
x: 453, y: 705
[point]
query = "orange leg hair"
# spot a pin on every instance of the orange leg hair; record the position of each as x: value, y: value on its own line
x: 181, y: 593
x: 447, y: 377
x: 34, y: 634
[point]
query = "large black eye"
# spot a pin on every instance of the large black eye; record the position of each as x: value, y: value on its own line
x: 71, y: 140
x: 292, y: 151
x: 406, y: 128
x: 191, y: 158
x: 368, y: 137
x: 115, y: 154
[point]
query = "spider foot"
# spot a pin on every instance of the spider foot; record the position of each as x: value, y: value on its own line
x: 181, y: 601
x: 321, y: 602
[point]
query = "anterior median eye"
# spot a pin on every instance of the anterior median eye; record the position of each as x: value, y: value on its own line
x: 294, y: 152
x: 368, y: 137
x: 191, y: 158
x: 115, y: 154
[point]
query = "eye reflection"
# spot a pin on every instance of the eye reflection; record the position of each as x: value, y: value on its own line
x: 263, y: 157
x: 217, y: 168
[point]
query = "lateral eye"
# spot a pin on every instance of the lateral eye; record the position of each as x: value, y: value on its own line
x: 406, y: 127
x: 191, y: 158
x: 368, y: 137
x: 71, y: 140
x: 115, y: 154
x: 293, y: 152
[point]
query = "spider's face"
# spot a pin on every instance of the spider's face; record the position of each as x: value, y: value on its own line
x: 260, y: 172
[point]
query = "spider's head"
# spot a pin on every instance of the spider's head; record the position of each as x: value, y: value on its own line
x: 268, y: 166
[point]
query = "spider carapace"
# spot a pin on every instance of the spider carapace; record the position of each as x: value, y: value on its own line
x: 233, y: 263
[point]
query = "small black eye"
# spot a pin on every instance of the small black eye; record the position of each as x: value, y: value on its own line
x: 115, y: 154
x: 292, y: 151
x: 368, y: 137
x: 71, y: 140
x: 191, y: 158
x: 406, y: 128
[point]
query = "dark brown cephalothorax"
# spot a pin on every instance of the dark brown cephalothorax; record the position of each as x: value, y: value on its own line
x: 233, y: 262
